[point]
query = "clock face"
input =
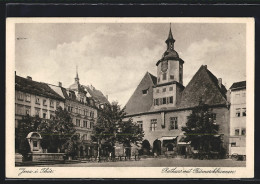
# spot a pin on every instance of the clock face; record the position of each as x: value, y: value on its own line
x: 164, y: 66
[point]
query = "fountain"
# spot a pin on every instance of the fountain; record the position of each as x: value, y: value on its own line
x: 34, y: 139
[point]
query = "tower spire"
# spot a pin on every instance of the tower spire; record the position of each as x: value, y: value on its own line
x: 77, y: 75
x: 170, y: 40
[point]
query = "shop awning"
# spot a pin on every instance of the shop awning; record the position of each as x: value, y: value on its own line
x: 183, y: 143
x: 167, y: 138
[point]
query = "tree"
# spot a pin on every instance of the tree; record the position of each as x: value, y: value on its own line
x: 72, y: 146
x: 26, y: 125
x: 201, y: 130
x: 112, y: 127
x: 55, y: 131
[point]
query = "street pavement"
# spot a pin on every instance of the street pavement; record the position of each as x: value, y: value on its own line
x: 159, y: 162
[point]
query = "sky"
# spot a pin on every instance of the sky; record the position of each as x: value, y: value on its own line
x: 114, y: 57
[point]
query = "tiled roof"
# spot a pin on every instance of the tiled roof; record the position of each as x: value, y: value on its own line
x: 140, y: 102
x: 37, y: 88
x: 154, y: 79
x: 203, y: 87
x: 238, y: 85
x: 97, y: 95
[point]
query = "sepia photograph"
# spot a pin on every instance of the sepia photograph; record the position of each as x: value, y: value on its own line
x: 170, y: 96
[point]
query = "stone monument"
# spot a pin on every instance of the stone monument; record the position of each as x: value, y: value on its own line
x: 34, y: 139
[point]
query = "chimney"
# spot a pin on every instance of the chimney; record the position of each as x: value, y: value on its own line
x: 206, y: 66
x: 219, y: 82
x: 29, y: 77
x: 15, y: 73
x: 59, y: 84
x: 107, y: 97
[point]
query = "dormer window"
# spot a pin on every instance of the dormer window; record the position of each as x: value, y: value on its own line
x: 145, y: 91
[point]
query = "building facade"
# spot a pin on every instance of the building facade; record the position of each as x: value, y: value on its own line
x: 34, y: 99
x: 83, y: 108
x: 238, y: 118
x: 161, y: 105
x: 41, y: 99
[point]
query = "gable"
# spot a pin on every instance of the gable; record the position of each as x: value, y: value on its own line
x: 140, y: 102
x: 203, y: 87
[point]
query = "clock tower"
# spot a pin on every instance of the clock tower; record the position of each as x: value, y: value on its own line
x: 169, y: 77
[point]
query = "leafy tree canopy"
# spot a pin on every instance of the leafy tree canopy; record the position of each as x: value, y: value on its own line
x: 55, y: 131
x: 201, y: 129
x: 112, y: 126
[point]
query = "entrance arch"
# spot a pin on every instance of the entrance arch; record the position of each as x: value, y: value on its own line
x: 146, y: 147
x: 157, y: 148
x: 170, y: 147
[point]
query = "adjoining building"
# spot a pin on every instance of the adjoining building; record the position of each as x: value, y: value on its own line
x: 238, y: 118
x: 35, y: 99
x: 83, y: 103
x: 160, y: 105
x: 41, y: 99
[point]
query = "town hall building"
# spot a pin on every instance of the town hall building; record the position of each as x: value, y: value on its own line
x: 161, y: 105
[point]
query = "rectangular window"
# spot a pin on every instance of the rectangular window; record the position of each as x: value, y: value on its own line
x: 28, y: 97
x: 171, y: 99
x: 44, y: 115
x: 51, y: 103
x: 153, y: 124
x: 37, y: 100
x: 238, y: 112
x: 236, y: 131
x: 158, y: 79
x: 44, y: 102
x: 28, y: 111
x: 76, y: 109
x: 233, y: 144
x: 164, y: 76
x: 173, y: 123
x: 20, y: 96
x: 20, y: 110
x: 172, y: 77
x: 140, y: 125
x: 164, y: 100
x: 57, y: 104
x: 157, y: 101
x: 164, y: 90
x: 244, y: 112
x: 85, y: 124
x: 37, y: 112
x: 91, y: 124
x: 171, y: 89
x: 78, y: 122
x: 243, y: 132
